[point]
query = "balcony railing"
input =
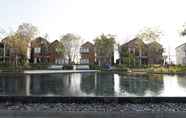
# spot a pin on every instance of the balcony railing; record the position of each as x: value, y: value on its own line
x: 84, y: 50
x: 84, y: 61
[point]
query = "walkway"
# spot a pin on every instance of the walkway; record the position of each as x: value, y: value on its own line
x: 18, y: 114
x: 56, y: 71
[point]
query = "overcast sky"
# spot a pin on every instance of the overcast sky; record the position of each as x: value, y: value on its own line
x: 90, y: 18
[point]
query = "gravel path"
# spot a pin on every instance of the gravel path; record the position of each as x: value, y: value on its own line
x: 73, y: 107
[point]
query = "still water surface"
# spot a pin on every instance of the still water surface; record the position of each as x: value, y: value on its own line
x: 92, y: 84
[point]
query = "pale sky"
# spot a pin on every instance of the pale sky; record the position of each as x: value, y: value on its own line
x: 90, y: 18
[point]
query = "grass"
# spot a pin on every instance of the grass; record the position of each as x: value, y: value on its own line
x: 170, y: 69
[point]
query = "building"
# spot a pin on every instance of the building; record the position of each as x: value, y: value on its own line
x: 155, y: 53
x: 133, y: 53
x: 11, y: 54
x: 136, y: 52
x: 181, y: 54
x: 56, y: 53
x: 87, y: 52
x: 2, y: 57
x: 40, y: 51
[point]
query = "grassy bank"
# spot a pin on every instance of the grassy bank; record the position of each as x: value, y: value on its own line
x: 153, y: 69
x: 169, y: 69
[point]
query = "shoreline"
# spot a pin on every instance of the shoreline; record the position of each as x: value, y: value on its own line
x: 50, y: 71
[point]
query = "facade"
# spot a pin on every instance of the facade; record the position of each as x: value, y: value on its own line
x: 181, y: 54
x: 138, y: 53
x: 87, y: 52
x: 155, y: 51
x: 56, y: 53
x: 135, y: 48
x: 40, y: 51
x: 2, y: 57
x: 10, y: 54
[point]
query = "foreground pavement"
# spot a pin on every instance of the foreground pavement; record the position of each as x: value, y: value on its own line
x: 29, y: 114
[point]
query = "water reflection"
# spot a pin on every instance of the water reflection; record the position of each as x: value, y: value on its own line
x: 141, y: 85
x: 92, y: 84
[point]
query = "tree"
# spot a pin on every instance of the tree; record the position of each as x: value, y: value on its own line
x: 149, y: 34
x: 18, y: 41
x: 27, y: 31
x: 71, y: 45
x: 127, y: 58
x: 104, y: 46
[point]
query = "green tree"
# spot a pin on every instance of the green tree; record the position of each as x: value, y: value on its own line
x: 20, y: 39
x: 148, y: 35
x: 104, y: 46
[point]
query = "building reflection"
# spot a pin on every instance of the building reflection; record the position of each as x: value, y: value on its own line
x: 181, y: 79
x: 82, y: 84
x: 46, y: 84
x: 98, y: 84
x: 12, y: 85
x: 139, y: 85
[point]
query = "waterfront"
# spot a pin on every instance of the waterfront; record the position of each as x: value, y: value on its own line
x: 92, y: 85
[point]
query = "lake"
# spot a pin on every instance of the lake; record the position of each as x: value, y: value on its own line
x: 92, y: 84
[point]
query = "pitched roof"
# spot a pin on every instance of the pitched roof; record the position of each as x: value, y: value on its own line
x: 55, y: 43
x: 87, y: 43
x: 133, y: 41
x: 39, y: 40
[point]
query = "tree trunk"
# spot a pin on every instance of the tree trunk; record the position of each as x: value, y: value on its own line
x: 140, y: 56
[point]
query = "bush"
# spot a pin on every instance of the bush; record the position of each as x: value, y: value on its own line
x: 68, y: 67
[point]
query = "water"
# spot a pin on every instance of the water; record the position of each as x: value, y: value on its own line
x: 92, y: 84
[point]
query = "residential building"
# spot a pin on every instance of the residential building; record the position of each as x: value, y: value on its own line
x: 181, y: 54
x: 56, y: 53
x: 155, y: 53
x: 2, y: 57
x: 87, y: 52
x: 10, y: 54
x: 136, y: 52
x: 40, y: 51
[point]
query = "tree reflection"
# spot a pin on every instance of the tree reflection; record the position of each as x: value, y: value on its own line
x: 88, y: 83
x: 105, y: 84
x: 47, y: 84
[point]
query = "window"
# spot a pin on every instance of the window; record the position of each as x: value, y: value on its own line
x: 84, y: 50
x: 84, y: 61
x: 37, y: 50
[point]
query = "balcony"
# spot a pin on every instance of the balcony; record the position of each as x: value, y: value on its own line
x: 84, y: 50
x: 84, y: 61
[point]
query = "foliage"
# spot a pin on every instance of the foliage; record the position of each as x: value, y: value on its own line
x: 27, y: 31
x: 104, y: 46
x: 127, y: 59
x: 149, y: 34
x: 170, y: 69
x: 71, y: 45
x: 18, y: 41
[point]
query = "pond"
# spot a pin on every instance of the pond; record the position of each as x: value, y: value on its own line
x: 92, y: 84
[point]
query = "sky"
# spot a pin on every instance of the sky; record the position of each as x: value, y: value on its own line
x: 90, y: 18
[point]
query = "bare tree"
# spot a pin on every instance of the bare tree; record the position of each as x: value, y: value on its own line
x: 27, y: 31
x: 149, y: 34
x: 71, y: 45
